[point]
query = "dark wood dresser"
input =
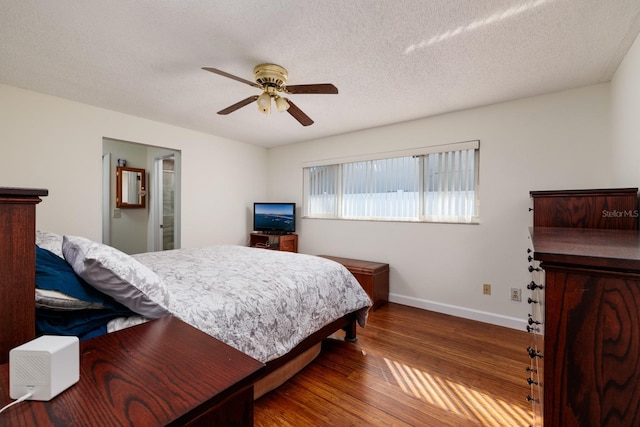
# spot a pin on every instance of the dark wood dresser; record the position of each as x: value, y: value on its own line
x: 585, y: 308
x: 17, y: 266
x: 161, y: 373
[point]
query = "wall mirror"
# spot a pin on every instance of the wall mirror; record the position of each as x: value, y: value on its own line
x: 131, y: 188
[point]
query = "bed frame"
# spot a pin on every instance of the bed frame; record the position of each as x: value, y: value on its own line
x: 17, y: 290
x: 281, y: 369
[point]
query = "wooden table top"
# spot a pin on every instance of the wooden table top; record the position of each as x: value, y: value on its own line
x: 598, y: 248
x: 359, y: 264
x: 150, y: 374
x: 23, y: 192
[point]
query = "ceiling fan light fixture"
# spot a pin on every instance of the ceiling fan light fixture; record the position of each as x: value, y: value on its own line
x: 264, y: 103
x: 281, y: 104
x: 272, y: 80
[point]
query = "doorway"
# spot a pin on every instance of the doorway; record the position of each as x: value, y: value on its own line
x: 156, y: 227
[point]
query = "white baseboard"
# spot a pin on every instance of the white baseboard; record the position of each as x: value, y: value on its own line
x: 465, y: 313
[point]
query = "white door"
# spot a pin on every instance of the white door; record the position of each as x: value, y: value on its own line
x: 106, y: 198
x: 165, y: 207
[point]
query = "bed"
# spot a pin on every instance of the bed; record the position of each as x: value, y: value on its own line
x: 274, y: 306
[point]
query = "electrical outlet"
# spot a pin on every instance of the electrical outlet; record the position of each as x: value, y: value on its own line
x: 516, y: 294
x: 486, y: 289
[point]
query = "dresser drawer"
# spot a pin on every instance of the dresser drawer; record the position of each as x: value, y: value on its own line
x: 288, y: 244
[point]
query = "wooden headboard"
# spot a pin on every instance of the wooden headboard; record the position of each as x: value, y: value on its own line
x: 17, y: 266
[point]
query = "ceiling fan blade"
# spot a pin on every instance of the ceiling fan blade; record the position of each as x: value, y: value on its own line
x: 327, y: 88
x: 231, y: 76
x: 298, y: 114
x: 238, y: 105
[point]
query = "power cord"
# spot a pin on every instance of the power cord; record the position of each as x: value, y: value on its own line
x: 21, y: 399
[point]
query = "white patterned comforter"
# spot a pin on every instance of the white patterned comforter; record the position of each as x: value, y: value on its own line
x: 258, y: 301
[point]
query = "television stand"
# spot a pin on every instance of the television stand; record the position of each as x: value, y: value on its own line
x: 276, y: 242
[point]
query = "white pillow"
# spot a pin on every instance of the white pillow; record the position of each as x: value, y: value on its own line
x: 118, y: 275
x: 49, y: 241
x: 54, y: 300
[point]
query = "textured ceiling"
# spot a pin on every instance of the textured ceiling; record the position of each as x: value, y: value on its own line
x: 392, y: 61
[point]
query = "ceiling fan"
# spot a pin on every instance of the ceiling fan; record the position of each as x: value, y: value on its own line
x: 272, y: 80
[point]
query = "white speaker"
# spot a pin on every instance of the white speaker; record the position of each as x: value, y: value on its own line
x: 45, y: 367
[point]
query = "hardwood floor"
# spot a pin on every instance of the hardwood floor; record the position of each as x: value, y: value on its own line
x: 410, y: 367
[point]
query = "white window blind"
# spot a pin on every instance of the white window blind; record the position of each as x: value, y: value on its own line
x: 321, y: 191
x: 449, y: 186
x: 429, y: 185
x: 381, y: 189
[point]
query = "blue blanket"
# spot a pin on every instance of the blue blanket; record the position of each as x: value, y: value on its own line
x: 55, y: 274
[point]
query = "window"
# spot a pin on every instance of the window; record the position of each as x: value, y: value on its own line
x: 434, y: 184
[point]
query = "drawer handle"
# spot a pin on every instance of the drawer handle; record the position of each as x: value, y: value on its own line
x: 531, y: 321
x: 531, y: 381
x: 530, y: 258
x: 533, y: 286
x: 531, y: 399
x: 532, y: 269
x: 532, y: 329
x: 532, y: 301
x: 530, y: 369
x: 533, y: 353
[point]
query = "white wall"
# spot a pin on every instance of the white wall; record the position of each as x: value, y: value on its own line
x: 49, y: 142
x: 625, y: 113
x: 558, y: 141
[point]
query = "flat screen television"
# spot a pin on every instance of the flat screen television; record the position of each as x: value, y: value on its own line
x: 274, y: 218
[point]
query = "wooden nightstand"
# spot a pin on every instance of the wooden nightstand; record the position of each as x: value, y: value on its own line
x: 160, y: 373
x: 372, y: 276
